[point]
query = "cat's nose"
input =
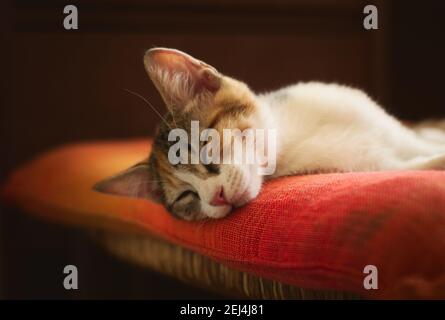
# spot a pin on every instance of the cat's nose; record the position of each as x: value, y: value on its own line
x: 219, y: 198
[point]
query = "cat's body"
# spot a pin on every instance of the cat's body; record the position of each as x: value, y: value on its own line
x: 328, y: 127
x: 320, y: 128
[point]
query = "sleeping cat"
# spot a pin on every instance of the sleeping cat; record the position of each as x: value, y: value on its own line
x: 320, y: 128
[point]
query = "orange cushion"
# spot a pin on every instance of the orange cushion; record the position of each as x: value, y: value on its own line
x: 316, y: 231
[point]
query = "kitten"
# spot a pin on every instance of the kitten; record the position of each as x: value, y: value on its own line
x: 320, y: 128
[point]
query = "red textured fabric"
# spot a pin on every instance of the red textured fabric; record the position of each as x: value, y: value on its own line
x: 316, y: 231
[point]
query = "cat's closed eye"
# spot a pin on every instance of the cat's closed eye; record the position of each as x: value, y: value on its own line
x: 186, y: 205
x: 187, y: 194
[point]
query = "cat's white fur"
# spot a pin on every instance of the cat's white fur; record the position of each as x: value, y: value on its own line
x: 330, y: 127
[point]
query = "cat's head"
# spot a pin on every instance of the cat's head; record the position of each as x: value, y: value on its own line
x: 192, y: 90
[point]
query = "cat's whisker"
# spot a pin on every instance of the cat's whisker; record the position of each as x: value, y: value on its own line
x: 149, y: 104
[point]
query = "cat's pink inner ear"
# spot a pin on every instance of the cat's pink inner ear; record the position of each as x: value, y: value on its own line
x: 179, y: 75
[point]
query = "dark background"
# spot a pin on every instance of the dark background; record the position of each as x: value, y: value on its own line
x: 61, y: 86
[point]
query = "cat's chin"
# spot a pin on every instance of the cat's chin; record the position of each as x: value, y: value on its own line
x: 251, y: 191
x: 242, y: 185
x: 247, y: 195
x: 216, y: 212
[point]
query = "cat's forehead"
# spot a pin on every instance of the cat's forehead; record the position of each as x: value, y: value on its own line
x: 182, y: 121
x: 234, y: 101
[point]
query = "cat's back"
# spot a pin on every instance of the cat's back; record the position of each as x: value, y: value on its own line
x: 322, y: 100
x: 316, y: 93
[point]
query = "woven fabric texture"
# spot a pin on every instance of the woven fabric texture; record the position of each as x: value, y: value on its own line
x: 316, y: 231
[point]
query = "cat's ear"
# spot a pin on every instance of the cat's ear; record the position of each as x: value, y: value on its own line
x: 179, y: 77
x: 135, y: 182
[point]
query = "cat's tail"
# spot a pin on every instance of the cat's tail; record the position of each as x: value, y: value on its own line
x: 431, y: 130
